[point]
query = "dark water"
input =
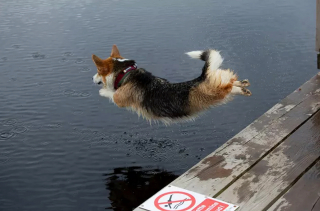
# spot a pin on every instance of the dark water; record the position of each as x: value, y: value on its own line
x: 63, y: 147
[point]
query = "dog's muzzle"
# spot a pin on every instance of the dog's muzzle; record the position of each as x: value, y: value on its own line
x: 97, y: 79
x: 98, y: 82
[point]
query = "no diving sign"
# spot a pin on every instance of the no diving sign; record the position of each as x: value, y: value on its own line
x: 174, y: 198
x: 181, y: 201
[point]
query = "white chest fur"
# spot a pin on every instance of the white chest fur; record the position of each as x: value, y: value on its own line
x: 108, y: 90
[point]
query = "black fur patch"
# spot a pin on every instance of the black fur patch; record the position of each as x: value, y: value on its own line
x: 162, y: 98
x: 205, y: 55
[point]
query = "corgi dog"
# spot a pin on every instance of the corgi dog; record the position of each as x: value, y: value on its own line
x: 156, y: 98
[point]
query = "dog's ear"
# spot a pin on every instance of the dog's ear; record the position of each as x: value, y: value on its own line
x: 115, y: 52
x: 97, y: 60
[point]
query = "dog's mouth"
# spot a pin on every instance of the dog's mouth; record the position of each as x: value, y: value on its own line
x: 97, y: 79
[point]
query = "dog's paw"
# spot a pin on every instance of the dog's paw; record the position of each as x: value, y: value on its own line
x: 246, y: 92
x: 105, y: 93
x: 101, y: 92
x: 245, y: 82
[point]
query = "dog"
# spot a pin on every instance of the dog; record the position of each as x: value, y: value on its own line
x: 156, y: 98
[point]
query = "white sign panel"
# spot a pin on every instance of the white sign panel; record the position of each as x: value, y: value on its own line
x: 178, y: 199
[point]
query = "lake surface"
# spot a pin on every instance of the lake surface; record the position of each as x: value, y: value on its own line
x: 63, y: 147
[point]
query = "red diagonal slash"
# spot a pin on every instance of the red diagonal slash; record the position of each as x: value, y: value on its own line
x: 171, y: 202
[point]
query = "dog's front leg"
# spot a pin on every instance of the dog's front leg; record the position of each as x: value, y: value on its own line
x: 123, y: 97
x: 106, y: 93
x: 120, y: 99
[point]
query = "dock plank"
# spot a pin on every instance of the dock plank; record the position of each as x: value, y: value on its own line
x: 278, y: 110
x: 222, y: 168
x: 276, y: 173
x: 304, y: 195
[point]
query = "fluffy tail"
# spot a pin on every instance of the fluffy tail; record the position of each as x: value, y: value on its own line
x: 212, y: 58
x: 216, y: 77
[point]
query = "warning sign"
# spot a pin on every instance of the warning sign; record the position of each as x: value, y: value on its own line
x: 174, y: 198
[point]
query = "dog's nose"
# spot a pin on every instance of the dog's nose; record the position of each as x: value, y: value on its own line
x: 99, y: 82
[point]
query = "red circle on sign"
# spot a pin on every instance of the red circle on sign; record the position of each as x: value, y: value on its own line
x: 193, y: 200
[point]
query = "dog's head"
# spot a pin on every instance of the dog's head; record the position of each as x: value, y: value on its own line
x: 106, y: 67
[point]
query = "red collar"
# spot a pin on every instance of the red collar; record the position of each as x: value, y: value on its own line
x: 122, y: 75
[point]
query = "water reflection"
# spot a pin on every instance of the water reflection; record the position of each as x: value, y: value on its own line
x: 130, y: 186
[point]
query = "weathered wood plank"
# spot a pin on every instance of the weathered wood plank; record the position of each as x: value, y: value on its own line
x: 304, y: 195
x: 275, y: 173
x: 219, y: 169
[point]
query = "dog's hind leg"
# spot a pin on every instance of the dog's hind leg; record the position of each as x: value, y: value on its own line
x: 242, y: 83
x: 240, y: 91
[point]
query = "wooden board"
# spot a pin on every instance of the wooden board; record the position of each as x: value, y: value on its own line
x: 275, y: 174
x: 224, y: 166
x: 304, y: 195
x: 228, y: 163
x: 278, y: 110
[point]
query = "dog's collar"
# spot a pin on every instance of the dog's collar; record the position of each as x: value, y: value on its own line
x: 122, y: 75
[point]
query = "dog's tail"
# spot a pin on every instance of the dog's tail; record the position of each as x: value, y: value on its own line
x: 216, y: 77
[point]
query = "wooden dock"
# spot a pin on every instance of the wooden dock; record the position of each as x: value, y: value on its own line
x: 273, y: 164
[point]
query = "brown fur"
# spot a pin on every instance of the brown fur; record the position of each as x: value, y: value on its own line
x: 105, y: 66
x: 126, y: 96
x: 204, y: 96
